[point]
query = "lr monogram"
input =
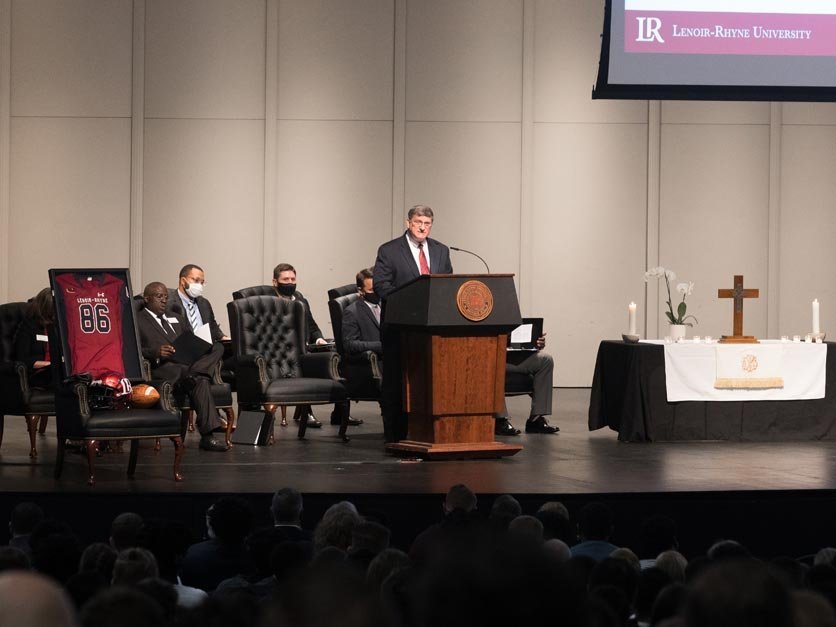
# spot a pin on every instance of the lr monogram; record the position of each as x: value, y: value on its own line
x: 649, y: 29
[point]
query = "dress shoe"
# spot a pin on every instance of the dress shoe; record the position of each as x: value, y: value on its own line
x: 313, y: 423
x: 352, y: 422
x: 503, y: 427
x: 209, y: 442
x: 539, y: 424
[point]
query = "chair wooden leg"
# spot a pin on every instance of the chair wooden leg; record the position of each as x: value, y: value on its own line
x: 59, y: 458
x: 42, y: 424
x: 284, y: 419
x: 91, y: 445
x: 157, y: 445
x: 186, y: 422
x: 2, y: 424
x: 230, y: 425
x: 190, y: 416
x: 32, y: 428
x: 133, y: 456
x: 270, y: 415
x: 178, y: 457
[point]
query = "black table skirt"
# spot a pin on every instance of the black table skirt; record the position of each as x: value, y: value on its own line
x: 629, y: 396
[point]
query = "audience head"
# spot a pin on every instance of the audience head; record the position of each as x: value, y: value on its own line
x: 133, y: 565
x: 122, y: 606
x: 825, y: 556
x: 556, y: 525
x: 168, y: 541
x: 459, y: 497
x: 369, y: 537
x: 419, y: 222
x: 286, y: 507
x: 56, y: 550
x: 526, y: 529
x: 674, y: 564
x: 728, y: 549
x: 284, y: 279
x: 12, y: 558
x: 125, y: 530
x: 191, y: 280
x: 41, y: 309
x: 336, y: 526
x: 288, y: 559
x: 98, y: 558
x: 505, y: 508
x: 669, y: 603
x: 229, y: 519
x: 32, y: 600
x: 385, y: 563
x: 792, y: 572
x: 555, y: 506
x: 618, y: 573
x: 25, y: 517
x: 811, y: 610
x: 623, y: 553
x: 595, y: 522
x: 155, y: 295
x: 558, y: 550
x: 738, y: 593
x: 651, y: 582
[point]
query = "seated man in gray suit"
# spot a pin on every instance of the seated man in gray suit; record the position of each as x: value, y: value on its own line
x: 540, y: 365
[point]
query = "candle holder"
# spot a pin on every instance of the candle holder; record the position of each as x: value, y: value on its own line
x: 630, y: 338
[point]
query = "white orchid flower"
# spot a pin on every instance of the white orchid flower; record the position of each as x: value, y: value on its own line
x: 654, y: 273
x: 670, y: 275
x: 685, y: 288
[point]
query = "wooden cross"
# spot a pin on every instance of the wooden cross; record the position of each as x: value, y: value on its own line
x: 738, y: 294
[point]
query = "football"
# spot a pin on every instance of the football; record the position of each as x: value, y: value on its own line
x: 144, y: 395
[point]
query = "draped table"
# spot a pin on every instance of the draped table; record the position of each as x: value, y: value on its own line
x: 629, y: 396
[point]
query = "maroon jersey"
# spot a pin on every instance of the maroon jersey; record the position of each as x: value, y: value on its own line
x: 93, y: 312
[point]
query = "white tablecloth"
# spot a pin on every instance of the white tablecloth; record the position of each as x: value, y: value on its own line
x: 691, y: 371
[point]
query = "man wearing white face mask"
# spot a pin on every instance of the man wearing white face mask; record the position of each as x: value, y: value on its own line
x: 188, y: 301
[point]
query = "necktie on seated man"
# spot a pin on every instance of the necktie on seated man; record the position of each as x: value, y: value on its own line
x: 167, y: 328
x: 191, y: 308
x: 422, y: 260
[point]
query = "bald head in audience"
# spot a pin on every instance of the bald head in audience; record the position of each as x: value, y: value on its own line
x: 32, y: 600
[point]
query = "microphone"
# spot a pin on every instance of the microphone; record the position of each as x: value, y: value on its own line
x: 470, y: 252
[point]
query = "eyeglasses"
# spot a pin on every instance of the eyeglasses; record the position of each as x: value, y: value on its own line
x: 426, y: 224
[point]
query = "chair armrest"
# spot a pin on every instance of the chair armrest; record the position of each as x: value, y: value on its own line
x: 253, y: 366
x: 166, y: 391
x: 375, y: 364
x: 72, y: 399
x: 321, y: 365
x: 146, y: 369
x: 216, y: 374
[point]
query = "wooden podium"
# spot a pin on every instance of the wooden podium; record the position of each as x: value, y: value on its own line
x: 453, y: 331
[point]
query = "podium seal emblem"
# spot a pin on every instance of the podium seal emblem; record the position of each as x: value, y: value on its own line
x: 474, y: 300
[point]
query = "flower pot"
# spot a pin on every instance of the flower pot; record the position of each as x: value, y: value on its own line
x: 677, y: 331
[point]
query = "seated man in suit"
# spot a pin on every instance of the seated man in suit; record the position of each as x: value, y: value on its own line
x: 361, y: 319
x: 284, y: 280
x: 157, y: 332
x: 188, y: 302
x: 539, y: 365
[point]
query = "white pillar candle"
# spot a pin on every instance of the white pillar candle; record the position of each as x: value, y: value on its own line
x: 816, y: 325
x: 631, y: 316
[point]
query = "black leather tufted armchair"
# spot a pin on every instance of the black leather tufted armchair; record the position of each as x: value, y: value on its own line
x: 274, y: 368
x: 342, y: 290
x: 362, y: 373
x: 16, y: 397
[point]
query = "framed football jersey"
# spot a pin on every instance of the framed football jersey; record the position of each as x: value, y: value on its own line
x: 95, y: 322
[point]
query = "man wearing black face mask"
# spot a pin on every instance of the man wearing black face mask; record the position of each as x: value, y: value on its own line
x: 284, y: 280
x: 361, y: 319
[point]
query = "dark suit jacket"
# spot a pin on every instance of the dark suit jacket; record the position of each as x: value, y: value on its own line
x: 395, y: 265
x: 175, y: 306
x: 361, y: 332
x: 151, y: 337
x: 28, y: 348
x: 313, y: 328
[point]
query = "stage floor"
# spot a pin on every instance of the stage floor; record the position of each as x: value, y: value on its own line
x: 574, y: 462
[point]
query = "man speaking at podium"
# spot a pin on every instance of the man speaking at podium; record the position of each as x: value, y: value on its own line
x: 398, y: 262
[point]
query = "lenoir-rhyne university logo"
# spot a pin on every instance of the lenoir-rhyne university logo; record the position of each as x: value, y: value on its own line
x: 749, y: 363
x: 474, y: 300
x: 649, y: 29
